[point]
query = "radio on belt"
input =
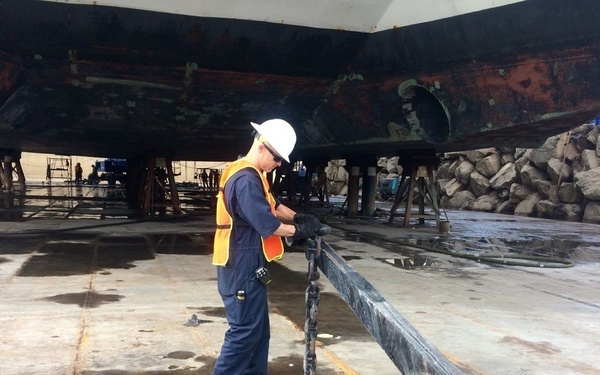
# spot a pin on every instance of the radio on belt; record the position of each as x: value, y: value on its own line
x: 263, y: 275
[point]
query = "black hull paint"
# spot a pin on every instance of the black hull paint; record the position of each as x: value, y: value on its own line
x: 104, y: 81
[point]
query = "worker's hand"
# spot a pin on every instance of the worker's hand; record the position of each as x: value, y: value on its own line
x: 307, y: 229
x: 301, y: 218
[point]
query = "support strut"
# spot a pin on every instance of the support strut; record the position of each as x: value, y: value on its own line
x: 406, y: 347
x: 159, y: 190
x: 417, y: 178
x: 7, y: 159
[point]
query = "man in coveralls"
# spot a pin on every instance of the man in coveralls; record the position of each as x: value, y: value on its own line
x: 250, y: 224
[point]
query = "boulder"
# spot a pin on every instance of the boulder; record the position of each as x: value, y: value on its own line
x: 519, y: 192
x: 530, y: 174
x: 479, y: 184
x: 569, y: 193
x: 392, y: 165
x: 581, y: 142
x: 527, y: 206
x: 589, y: 183
x: 440, y: 185
x: 558, y: 211
x: 507, y: 158
x: 479, y: 154
x: 505, y: 177
x: 452, y: 187
x: 592, y: 136
x: 454, y: 165
x: 572, y: 212
x: 520, y: 152
x: 540, y: 156
x: 336, y: 172
x: 561, y: 145
x: 589, y: 160
x: 443, y: 171
x: 489, y: 166
x: 570, y: 144
x: 544, y: 187
x: 505, y: 208
x: 547, y: 209
x: 577, y: 164
x: 463, y: 172
x: 487, y: 203
x: 592, y: 213
x: 523, y: 160
x: 462, y: 200
x: 559, y: 171
x: 571, y: 151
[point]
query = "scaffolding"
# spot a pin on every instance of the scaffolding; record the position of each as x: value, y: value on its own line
x: 59, y: 167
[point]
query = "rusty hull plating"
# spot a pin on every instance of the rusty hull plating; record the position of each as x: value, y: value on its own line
x: 94, y: 80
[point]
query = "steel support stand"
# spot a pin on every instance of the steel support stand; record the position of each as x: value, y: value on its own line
x: 8, y: 157
x: 7, y: 173
x: 368, y: 191
x: 417, y: 178
x: 20, y: 175
x: 156, y: 194
x: 353, y: 189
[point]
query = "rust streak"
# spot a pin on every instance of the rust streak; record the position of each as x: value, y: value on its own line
x: 541, y: 346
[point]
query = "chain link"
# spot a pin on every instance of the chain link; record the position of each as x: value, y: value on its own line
x: 312, y: 297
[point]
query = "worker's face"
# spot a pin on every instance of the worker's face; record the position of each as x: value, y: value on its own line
x: 271, y: 159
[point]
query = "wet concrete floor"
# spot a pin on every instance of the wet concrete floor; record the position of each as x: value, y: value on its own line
x: 88, y: 288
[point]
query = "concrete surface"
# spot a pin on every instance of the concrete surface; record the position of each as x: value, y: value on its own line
x: 84, y: 290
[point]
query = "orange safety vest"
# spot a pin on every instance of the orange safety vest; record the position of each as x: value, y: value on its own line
x: 272, y: 246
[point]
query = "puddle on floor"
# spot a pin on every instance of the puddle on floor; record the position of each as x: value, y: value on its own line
x: 525, y: 244
x: 198, y: 244
x: 60, y: 259
x: 283, y: 365
x: 85, y: 299
x: 410, y: 263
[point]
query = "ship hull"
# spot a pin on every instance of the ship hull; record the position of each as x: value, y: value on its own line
x: 115, y: 81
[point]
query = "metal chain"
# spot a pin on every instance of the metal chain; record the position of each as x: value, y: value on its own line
x: 312, y: 296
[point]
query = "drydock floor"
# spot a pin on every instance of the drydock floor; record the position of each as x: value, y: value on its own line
x: 87, y: 288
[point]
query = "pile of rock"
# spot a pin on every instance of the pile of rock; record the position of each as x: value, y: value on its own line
x: 389, y: 167
x: 560, y: 180
x: 337, y: 177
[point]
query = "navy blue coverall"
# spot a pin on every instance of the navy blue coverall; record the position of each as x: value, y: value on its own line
x: 246, y: 346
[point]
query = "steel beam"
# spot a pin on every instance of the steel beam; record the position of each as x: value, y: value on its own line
x: 406, y: 347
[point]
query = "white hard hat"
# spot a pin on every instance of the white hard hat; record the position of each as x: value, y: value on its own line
x: 280, y: 134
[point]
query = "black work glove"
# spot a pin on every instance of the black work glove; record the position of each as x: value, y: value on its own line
x: 301, y: 218
x: 307, y: 229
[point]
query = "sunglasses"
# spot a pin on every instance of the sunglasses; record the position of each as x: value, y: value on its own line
x: 276, y: 158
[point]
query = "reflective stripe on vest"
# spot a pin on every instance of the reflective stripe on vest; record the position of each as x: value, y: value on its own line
x: 272, y: 246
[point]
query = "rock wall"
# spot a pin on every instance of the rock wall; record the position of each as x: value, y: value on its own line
x: 560, y: 180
